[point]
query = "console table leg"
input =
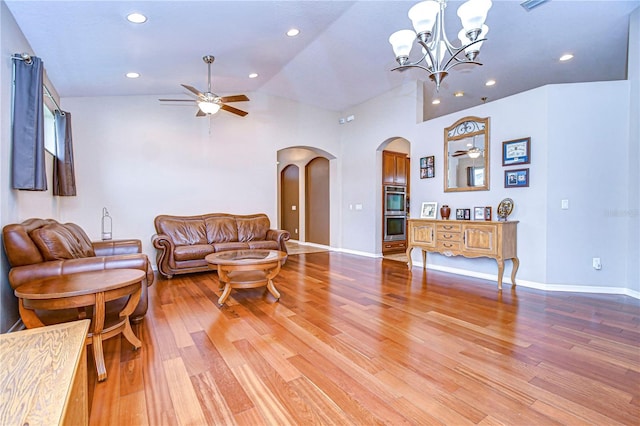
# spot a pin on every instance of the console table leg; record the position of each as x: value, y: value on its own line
x: 500, y: 272
x: 424, y: 259
x: 409, y: 262
x: 516, y: 265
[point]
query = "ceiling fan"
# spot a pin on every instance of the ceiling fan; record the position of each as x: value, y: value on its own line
x: 473, y: 152
x: 208, y: 102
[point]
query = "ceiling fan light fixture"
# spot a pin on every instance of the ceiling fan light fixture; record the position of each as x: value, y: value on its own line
x: 208, y: 107
x: 136, y: 18
x: 474, y: 152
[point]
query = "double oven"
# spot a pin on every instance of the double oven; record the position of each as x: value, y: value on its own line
x: 395, y: 213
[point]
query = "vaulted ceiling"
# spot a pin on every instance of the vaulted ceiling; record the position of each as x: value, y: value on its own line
x: 340, y: 58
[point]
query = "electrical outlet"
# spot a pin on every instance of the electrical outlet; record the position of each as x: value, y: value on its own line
x: 597, y: 265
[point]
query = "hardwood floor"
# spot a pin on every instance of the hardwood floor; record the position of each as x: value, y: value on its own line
x: 362, y: 341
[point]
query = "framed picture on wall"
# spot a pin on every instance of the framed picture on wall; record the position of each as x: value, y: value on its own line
x: 517, y: 178
x: 427, y: 167
x: 517, y: 151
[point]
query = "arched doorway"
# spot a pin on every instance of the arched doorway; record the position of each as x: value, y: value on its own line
x: 289, y: 200
x: 317, y: 209
x: 322, y: 178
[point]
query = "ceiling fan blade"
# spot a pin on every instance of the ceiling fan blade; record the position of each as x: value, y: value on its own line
x: 459, y: 153
x: 235, y: 98
x: 192, y: 90
x: 176, y: 100
x: 200, y: 113
x: 234, y: 110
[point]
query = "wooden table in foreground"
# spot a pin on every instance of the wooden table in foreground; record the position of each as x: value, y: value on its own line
x: 92, y: 288
x: 496, y: 240
x: 44, y: 376
x: 247, y: 269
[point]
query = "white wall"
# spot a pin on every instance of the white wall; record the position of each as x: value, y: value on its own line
x: 588, y: 145
x: 140, y: 158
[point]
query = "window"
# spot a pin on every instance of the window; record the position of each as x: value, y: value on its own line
x: 49, y: 131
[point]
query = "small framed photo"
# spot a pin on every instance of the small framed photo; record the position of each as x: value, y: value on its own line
x: 517, y: 178
x: 459, y: 214
x: 517, y: 151
x: 487, y: 213
x: 429, y: 210
x: 427, y: 167
x: 478, y: 213
x: 467, y: 214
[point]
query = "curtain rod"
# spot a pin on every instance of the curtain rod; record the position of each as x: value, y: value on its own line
x: 27, y: 59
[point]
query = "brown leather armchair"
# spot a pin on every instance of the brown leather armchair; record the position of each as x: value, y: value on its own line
x: 39, y: 248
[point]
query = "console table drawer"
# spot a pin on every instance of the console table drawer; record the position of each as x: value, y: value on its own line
x: 449, y: 236
x: 449, y: 227
x: 452, y: 246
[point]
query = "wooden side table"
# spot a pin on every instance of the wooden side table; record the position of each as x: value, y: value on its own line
x: 247, y: 269
x: 44, y: 376
x: 92, y: 288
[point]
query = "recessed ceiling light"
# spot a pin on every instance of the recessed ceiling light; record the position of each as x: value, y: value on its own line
x: 566, y: 57
x: 458, y: 94
x: 435, y: 101
x: 253, y: 75
x: 293, y: 32
x: 490, y: 83
x: 136, y: 18
x: 132, y: 75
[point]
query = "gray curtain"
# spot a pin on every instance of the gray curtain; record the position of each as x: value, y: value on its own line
x: 28, y: 169
x: 64, y: 178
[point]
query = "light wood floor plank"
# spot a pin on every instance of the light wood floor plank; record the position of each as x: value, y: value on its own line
x: 183, y: 396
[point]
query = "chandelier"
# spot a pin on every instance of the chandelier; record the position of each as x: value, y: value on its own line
x: 438, y: 54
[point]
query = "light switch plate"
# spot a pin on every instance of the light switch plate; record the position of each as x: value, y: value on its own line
x: 565, y: 205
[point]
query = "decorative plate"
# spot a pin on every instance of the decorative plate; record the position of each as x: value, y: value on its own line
x: 505, y: 208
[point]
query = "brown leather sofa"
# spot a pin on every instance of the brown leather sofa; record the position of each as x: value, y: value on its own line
x: 184, y: 241
x: 39, y: 248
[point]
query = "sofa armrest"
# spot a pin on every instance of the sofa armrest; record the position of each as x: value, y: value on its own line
x: 164, y: 255
x: 279, y: 235
x: 116, y: 247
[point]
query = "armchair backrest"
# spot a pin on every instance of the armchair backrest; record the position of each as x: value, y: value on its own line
x: 39, y: 240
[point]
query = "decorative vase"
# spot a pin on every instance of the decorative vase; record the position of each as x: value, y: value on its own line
x: 445, y: 211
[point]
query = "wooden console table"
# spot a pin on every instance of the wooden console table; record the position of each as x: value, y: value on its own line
x: 44, y: 376
x: 496, y: 240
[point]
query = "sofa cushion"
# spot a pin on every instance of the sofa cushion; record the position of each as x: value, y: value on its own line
x: 264, y: 245
x: 254, y: 228
x: 184, y: 231
x: 221, y: 229
x: 192, y: 252
x: 234, y: 245
x: 57, y: 241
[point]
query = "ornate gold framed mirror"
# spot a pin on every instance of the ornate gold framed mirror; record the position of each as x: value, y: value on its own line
x: 466, y: 155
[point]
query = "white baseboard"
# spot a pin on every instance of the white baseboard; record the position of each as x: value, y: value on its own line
x: 533, y: 284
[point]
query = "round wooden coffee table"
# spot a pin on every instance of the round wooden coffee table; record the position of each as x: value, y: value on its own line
x: 247, y: 269
x: 91, y: 288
